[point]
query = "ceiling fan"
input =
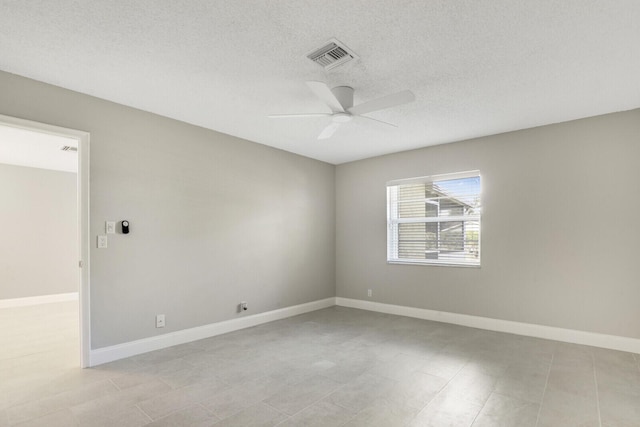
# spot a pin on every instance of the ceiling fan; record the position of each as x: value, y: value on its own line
x: 340, y: 101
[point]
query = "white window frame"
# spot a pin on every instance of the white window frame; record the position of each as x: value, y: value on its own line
x: 393, y: 221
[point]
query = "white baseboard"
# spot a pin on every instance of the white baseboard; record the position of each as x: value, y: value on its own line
x: 41, y: 299
x: 613, y: 342
x: 128, y: 349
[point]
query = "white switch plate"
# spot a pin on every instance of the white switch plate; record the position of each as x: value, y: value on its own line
x: 110, y: 227
x: 160, y: 321
x: 102, y: 242
x: 369, y: 293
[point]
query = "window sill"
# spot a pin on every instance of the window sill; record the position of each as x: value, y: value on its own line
x: 434, y: 264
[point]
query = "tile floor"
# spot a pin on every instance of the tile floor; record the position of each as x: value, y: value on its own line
x: 333, y: 367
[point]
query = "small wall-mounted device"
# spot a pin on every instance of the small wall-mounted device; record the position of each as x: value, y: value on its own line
x: 125, y: 226
x: 243, y: 306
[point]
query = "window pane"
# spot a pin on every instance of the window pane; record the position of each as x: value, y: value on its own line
x: 452, y: 197
x: 461, y: 194
x: 412, y: 202
x: 452, y: 236
x: 411, y: 240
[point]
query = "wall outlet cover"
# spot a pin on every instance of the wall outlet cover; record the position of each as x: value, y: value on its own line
x: 110, y: 227
x: 102, y: 242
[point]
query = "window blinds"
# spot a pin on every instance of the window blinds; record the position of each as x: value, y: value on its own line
x: 434, y: 220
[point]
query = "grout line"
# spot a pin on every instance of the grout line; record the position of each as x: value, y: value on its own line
x: 145, y: 414
x: 441, y: 390
x: 595, y: 380
x: 544, y: 392
x: 210, y: 413
x: 288, y: 417
x: 273, y: 407
x: 114, y: 384
x: 484, y: 404
x: 308, y: 406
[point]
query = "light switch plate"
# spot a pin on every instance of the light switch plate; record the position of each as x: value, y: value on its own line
x: 110, y: 227
x: 160, y: 321
x: 102, y: 242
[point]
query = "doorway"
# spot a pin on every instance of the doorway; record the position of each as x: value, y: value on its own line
x: 61, y: 160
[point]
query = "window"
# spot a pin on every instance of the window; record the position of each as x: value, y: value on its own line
x: 434, y: 220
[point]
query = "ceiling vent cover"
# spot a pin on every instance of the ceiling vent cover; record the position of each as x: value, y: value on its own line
x: 333, y: 54
x: 69, y: 148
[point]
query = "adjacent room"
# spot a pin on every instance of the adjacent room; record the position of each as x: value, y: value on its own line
x: 296, y: 213
x: 39, y: 251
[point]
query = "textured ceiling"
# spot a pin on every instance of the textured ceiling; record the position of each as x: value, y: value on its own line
x: 477, y: 67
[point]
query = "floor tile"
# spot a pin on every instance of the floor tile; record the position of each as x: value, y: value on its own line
x: 506, y: 411
x: 471, y: 388
x: 130, y: 416
x: 61, y: 418
x: 147, y: 373
x: 445, y: 364
x: 321, y: 414
x: 107, y: 405
x: 60, y: 401
x: 259, y: 415
x: 383, y: 413
x: 189, y: 416
x: 415, y: 392
x: 447, y: 410
x: 620, y: 408
x: 360, y: 392
x: 177, y: 399
x: 524, y: 383
x: 238, y: 397
x: 295, y: 397
x: 564, y: 408
x: 400, y: 367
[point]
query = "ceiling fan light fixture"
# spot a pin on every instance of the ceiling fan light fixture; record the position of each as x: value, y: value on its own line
x: 341, y: 117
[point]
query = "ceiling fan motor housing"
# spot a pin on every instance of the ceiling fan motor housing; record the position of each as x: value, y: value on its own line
x: 344, y: 94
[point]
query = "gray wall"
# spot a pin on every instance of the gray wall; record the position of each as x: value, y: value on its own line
x: 214, y: 219
x: 39, y: 243
x: 560, y: 227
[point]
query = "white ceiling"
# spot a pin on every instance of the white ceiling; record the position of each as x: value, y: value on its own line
x: 477, y: 67
x: 23, y: 147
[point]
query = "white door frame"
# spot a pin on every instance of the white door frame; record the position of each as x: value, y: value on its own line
x: 83, y: 220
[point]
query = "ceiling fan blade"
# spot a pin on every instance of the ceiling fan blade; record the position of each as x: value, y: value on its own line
x: 322, y: 91
x: 285, y: 116
x: 388, y: 101
x: 379, y: 121
x: 328, y: 131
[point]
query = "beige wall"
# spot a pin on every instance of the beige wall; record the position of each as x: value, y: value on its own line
x: 39, y: 244
x: 214, y: 219
x: 560, y: 228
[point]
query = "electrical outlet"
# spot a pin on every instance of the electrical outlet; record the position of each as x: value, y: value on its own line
x: 102, y: 242
x: 369, y: 293
x: 243, y: 306
x: 110, y: 227
x: 160, y: 321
